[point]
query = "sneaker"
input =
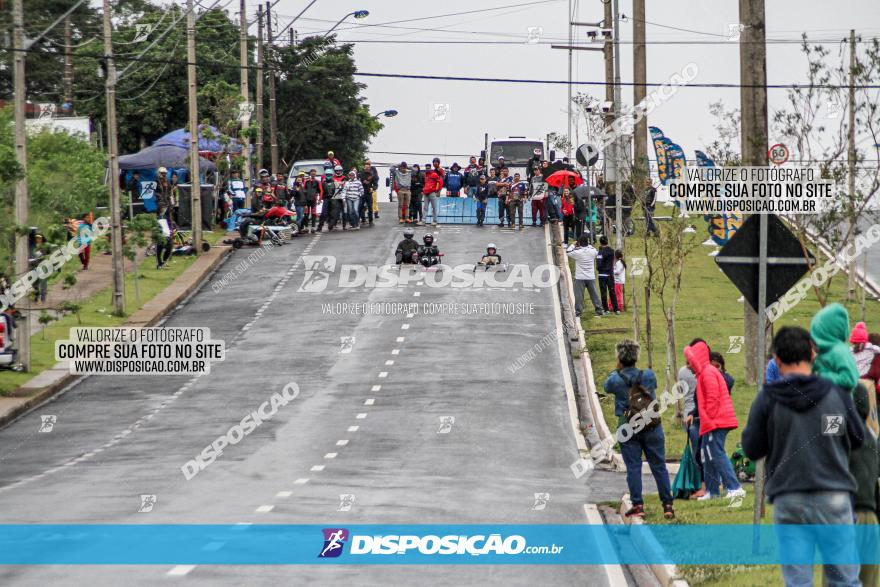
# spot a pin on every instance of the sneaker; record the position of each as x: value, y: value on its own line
x: 637, y: 511
x: 707, y: 496
x: 435, y: 224
x: 401, y: 221
x: 617, y: 312
x: 668, y: 512
x: 736, y: 493
x: 500, y: 225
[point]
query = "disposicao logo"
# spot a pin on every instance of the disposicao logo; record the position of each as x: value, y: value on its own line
x: 334, y: 541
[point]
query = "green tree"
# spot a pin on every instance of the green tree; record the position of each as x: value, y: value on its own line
x: 320, y: 106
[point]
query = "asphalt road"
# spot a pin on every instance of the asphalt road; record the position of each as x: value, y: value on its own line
x: 368, y: 422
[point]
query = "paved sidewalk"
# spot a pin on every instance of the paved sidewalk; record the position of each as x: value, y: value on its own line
x: 51, y: 381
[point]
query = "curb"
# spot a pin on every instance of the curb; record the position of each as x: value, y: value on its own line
x: 614, y: 573
x: 667, y: 575
x: 588, y: 406
x: 55, y: 380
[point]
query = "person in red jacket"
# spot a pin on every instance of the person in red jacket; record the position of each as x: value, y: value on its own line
x: 431, y: 191
x: 717, y: 418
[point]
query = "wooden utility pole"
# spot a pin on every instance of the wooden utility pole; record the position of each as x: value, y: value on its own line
x: 245, y: 94
x: 753, y: 138
x: 113, y: 157
x: 640, y: 130
x: 607, y: 19
x: 22, y: 201
x: 273, y: 114
x: 851, y: 154
x: 753, y: 105
x: 259, y: 91
x: 68, y: 62
x: 194, y: 180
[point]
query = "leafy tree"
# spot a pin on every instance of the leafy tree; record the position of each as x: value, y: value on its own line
x: 319, y: 103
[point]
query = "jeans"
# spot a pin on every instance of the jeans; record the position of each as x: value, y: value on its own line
x: 415, y: 207
x: 431, y: 200
x: 653, y: 444
x: 606, y: 286
x: 552, y: 205
x: 716, y: 465
x: 365, y: 207
x: 590, y: 284
x: 693, y: 433
x: 815, y: 508
x: 472, y: 191
x: 351, y: 211
x: 300, y: 214
x: 481, y: 212
x: 649, y: 219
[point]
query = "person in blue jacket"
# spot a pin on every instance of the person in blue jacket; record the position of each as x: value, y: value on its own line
x: 454, y: 181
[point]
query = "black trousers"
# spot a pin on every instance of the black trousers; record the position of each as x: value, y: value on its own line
x: 606, y: 290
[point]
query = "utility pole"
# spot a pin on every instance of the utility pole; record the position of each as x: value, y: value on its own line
x: 195, y: 180
x: 245, y: 93
x: 618, y: 150
x: 22, y: 201
x: 570, y: 54
x: 851, y: 153
x: 753, y: 105
x: 68, y: 62
x: 640, y: 130
x: 273, y: 114
x: 259, y: 91
x: 113, y: 156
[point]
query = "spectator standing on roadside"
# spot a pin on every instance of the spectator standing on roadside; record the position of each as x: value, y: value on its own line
x: 650, y: 442
x: 862, y: 349
x: 584, y: 255
x: 374, y: 188
x: 650, y: 205
x: 365, y: 204
x: 568, y: 216
x: 717, y: 360
x: 538, y: 191
x: 163, y: 194
x: 353, y: 190
x: 328, y: 189
x: 829, y: 330
x: 84, y: 240
x: 688, y: 379
x: 606, y: 274
x: 431, y: 191
x: 298, y: 200
x: 402, y: 180
x: 472, y: 175
x: 808, y: 476
x: 533, y: 164
x: 717, y: 419
x: 874, y: 370
x: 282, y: 197
x: 482, y: 199
x: 619, y: 279
x: 502, y: 190
x: 313, y: 190
x: 415, y: 205
x: 519, y: 189
x: 864, y: 464
x: 454, y: 181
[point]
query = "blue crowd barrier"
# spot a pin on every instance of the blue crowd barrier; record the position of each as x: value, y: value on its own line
x: 464, y: 211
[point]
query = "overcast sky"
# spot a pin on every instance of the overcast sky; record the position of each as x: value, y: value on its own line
x: 503, y: 109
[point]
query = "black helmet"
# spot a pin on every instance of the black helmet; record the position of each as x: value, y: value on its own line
x: 428, y: 239
x: 408, y: 233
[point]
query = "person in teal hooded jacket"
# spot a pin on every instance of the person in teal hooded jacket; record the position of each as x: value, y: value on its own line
x: 829, y: 330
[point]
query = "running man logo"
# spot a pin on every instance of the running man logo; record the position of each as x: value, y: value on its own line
x: 319, y: 268
x: 639, y: 264
x: 334, y: 542
x: 346, y: 344
x: 832, y: 425
x: 148, y: 502
x: 440, y: 112
x: 734, y: 31
x: 581, y: 467
x: 534, y: 34
x: 446, y: 423
x: 47, y: 423
x: 346, y: 500
x: 142, y: 31
x: 736, y: 344
x: 541, y: 500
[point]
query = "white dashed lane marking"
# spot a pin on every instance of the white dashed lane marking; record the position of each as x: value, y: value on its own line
x: 341, y: 442
x: 383, y: 374
x: 317, y: 468
x: 400, y: 339
x: 395, y: 352
x: 180, y: 570
x: 370, y: 402
x: 264, y: 509
x: 361, y: 416
x: 405, y: 327
x: 301, y: 481
x: 353, y: 428
x: 376, y: 388
x: 331, y: 455
x: 281, y: 494
x: 389, y: 363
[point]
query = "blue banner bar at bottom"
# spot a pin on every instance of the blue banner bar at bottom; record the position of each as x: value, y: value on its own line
x: 488, y: 544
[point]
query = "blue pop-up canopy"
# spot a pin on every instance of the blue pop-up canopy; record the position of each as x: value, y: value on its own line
x: 180, y: 138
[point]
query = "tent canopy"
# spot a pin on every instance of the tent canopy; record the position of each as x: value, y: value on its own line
x: 162, y: 156
x: 180, y: 138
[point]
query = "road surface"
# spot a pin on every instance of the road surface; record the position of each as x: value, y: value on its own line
x: 372, y: 421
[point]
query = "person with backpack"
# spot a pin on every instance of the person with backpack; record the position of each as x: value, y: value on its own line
x: 634, y: 389
x: 717, y: 419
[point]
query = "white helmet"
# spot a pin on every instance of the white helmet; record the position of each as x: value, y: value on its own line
x: 338, y: 169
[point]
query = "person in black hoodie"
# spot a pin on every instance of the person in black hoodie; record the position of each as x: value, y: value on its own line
x: 806, y: 428
x: 481, y: 195
x: 605, y: 269
x: 415, y: 203
x: 864, y: 464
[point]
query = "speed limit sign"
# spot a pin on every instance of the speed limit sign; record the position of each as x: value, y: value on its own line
x: 778, y: 154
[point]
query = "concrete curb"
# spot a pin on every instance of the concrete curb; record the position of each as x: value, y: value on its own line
x: 51, y: 382
x: 667, y: 575
x: 614, y: 573
x: 583, y: 368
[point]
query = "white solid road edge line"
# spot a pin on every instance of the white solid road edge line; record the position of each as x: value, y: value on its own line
x: 563, y: 358
x: 615, y: 574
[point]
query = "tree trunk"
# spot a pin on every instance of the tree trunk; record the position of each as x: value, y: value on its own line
x: 637, y: 334
x: 649, y: 343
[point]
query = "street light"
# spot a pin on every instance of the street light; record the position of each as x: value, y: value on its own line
x: 357, y: 14
x: 388, y: 114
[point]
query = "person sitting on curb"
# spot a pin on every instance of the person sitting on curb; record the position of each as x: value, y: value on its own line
x: 648, y: 440
x: 805, y: 426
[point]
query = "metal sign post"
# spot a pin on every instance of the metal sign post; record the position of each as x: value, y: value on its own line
x: 762, y: 353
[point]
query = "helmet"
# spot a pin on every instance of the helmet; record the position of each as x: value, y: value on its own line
x: 491, y: 246
x: 428, y: 239
x: 537, y: 151
x: 161, y: 171
x: 338, y: 169
x: 259, y: 190
x: 264, y: 172
x: 328, y: 173
x: 408, y: 233
x: 329, y: 153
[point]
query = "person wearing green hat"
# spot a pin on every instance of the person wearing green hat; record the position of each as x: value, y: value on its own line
x: 829, y: 331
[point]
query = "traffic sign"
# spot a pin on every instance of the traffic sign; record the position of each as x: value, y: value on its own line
x: 587, y: 155
x: 738, y: 259
x: 778, y: 154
